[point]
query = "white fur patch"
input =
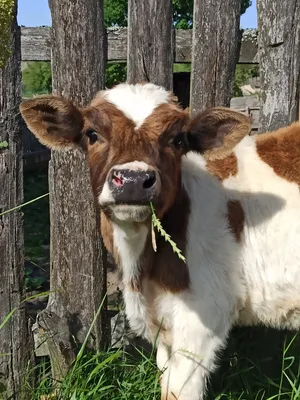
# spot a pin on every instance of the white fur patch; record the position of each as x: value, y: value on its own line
x: 106, y: 196
x: 130, y: 241
x: 137, y: 102
x: 133, y: 166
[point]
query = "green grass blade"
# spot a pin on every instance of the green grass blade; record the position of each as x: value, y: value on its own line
x: 10, y: 314
x: 157, y: 224
x: 24, y: 204
x: 7, y: 318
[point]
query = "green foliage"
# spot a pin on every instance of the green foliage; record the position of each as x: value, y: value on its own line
x: 33, y: 282
x: 183, y: 14
x: 114, y: 74
x: 245, y: 4
x: 37, y: 78
x: 177, y: 67
x: 6, y: 15
x: 243, y: 73
x: 115, y: 12
x: 3, y: 144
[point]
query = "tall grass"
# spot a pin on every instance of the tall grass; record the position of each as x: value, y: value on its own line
x: 115, y: 375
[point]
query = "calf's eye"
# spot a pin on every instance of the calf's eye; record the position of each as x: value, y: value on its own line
x: 92, y: 135
x: 177, y: 141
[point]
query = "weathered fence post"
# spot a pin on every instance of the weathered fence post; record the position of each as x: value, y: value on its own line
x: 150, y: 46
x: 279, y: 57
x: 14, y: 336
x: 77, y: 264
x: 279, y: 53
x: 214, y: 52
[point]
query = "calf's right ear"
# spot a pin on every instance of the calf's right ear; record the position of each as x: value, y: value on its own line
x: 55, y: 121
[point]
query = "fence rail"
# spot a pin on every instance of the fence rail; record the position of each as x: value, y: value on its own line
x: 36, y: 43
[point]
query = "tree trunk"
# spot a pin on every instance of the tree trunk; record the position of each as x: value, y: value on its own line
x: 78, y: 273
x: 215, y: 43
x: 150, y: 45
x: 279, y: 51
x: 14, y: 336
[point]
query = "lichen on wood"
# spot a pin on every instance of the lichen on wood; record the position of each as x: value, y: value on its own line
x: 6, y: 15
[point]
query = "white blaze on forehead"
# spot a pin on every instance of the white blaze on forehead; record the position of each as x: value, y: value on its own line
x: 138, y: 101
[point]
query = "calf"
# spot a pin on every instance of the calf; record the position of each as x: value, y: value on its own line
x: 235, y: 218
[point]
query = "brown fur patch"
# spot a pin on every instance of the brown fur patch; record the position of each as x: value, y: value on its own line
x: 108, y: 239
x: 223, y: 168
x: 216, y: 131
x: 55, y: 121
x: 236, y: 218
x: 236, y: 129
x: 166, y: 269
x: 163, y: 268
x: 281, y: 151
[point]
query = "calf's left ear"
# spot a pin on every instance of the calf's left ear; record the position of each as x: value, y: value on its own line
x: 215, y: 128
x: 55, y: 121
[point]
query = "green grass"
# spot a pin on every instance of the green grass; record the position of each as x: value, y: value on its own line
x: 110, y: 375
x: 114, y: 375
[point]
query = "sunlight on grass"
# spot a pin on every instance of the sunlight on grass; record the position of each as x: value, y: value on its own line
x: 116, y: 375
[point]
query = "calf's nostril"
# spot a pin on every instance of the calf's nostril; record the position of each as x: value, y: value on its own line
x: 117, y: 179
x: 149, y: 181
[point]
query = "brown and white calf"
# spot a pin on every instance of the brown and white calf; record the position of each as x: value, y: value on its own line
x: 235, y: 217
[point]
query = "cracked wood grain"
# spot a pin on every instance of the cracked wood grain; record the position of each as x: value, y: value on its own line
x: 15, y: 344
x: 279, y: 56
x: 149, y: 55
x: 78, y: 275
x: 214, y: 53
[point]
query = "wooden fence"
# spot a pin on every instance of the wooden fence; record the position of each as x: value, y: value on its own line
x: 36, y: 46
x: 79, y: 48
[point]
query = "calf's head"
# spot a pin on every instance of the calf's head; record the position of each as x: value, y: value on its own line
x: 135, y: 137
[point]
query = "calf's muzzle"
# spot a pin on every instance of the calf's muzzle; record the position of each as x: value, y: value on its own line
x: 133, y: 187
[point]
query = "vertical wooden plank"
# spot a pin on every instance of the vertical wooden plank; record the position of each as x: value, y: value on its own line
x: 78, y: 274
x: 214, y: 52
x: 279, y: 56
x: 279, y: 53
x: 150, y: 43
x: 14, y: 336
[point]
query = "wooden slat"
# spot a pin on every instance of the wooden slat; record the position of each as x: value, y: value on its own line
x: 15, y: 343
x: 216, y: 41
x: 279, y: 44
x: 239, y: 103
x: 249, y: 105
x: 36, y: 45
x: 150, y: 56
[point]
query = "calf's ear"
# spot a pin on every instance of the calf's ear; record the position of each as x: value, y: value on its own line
x: 217, y: 131
x: 55, y: 121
